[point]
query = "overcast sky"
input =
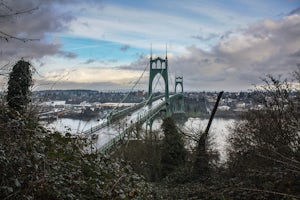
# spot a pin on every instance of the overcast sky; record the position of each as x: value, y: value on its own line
x: 105, y: 44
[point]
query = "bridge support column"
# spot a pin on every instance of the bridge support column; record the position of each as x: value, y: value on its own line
x: 159, y: 66
x: 149, y: 124
x: 179, y: 106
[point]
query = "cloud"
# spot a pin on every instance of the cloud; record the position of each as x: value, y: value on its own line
x: 93, y: 74
x: 125, y: 48
x: 47, y: 18
x: 89, y: 61
x: 295, y: 11
x: 65, y: 54
x: 222, y: 58
x: 265, y: 46
x: 103, y: 86
x: 235, y: 62
x: 121, y: 25
x: 205, y: 38
x: 240, y: 59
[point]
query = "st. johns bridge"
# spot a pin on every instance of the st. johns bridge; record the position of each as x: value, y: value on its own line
x: 120, y: 125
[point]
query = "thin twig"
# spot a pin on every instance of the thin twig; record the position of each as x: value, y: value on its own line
x: 6, y: 37
x: 115, y: 184
x: 19, y: 12
x: 280, y: 161
x: 270, y: 192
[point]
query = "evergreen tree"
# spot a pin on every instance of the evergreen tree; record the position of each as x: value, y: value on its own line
x: 18, y: 92
x: 173, y: 151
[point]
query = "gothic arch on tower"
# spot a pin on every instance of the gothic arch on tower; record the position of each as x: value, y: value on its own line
x: 158, y: 66
x: 179, y: 81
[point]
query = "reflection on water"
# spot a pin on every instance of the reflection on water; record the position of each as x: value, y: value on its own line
x: 219, y: 129
x: 218, y: 132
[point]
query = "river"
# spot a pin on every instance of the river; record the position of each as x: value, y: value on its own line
x: 219, y: 129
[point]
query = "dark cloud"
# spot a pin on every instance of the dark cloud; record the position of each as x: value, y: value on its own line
x: 69, y: 55
x: 205, y: 38
x: 240, y: 59
x: 107, y: 62
x: 296, y: 54
x: 45, y: 17
x: 125, y: 48
x: 226, y: 35
x: 89, y: 61
x: 295, y: 11
x: 139, y: 64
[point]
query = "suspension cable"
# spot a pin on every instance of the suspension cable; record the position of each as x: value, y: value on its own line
x: 171, y: 81
x: 126, y: 96
x: 146, y: 102
x: 158, y: 80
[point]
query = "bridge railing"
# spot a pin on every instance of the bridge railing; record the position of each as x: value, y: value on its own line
x: 95, y: 128
x: 113, y: 117
x: 117, y: 115
x: 113, y: 143
x: 126, y: 111
x: 141, y: 118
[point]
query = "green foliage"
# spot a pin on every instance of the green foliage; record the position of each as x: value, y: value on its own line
x: 144, y: 156
x: 201, y: 160
x: 48, y: 165
x: 173, y: 152
x: 158, y: 159
x: 18, y: 92
x: 38, y: 164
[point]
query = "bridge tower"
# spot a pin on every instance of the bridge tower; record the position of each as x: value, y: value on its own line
x: 179, y: 105
x: 179, y: 81
x: 159, y: 66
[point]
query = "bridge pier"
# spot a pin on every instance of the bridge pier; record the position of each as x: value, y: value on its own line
x: 149, y: 124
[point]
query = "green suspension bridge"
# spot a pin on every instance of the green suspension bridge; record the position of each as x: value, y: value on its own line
x: 120, y: 125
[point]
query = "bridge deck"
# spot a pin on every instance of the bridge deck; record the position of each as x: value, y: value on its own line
x: 105, y: 134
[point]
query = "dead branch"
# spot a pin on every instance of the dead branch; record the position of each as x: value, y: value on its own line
x: 270, y: 192
x: 6, y: 37
x: 17, y: 12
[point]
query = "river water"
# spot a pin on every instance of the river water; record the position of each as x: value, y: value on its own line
x: 218, y: 132
x: 74, y: 126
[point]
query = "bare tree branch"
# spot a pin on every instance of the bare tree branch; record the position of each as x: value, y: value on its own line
x: 6, y: 6
x: 16, y: 12
x: 6, y: 37
x: 271, y: 192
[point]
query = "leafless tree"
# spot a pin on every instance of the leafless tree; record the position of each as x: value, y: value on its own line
x: 265, y: 143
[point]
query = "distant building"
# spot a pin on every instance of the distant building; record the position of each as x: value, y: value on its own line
x: 224, y: 108
x: 241, y: 105
x: 53, y: 103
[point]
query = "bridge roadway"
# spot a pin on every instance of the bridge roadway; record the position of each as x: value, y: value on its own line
x: 108, y: 135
